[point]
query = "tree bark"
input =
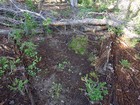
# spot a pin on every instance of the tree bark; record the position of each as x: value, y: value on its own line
x: 87, y: 21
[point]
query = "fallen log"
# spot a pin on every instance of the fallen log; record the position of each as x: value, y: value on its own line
x: 4, y: 32
x: 94, y: 28
x: 87, y: 21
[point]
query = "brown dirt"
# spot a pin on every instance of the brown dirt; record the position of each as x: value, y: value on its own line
x: 126, y: 81
x: 123, y: 84
x: 54, y: 51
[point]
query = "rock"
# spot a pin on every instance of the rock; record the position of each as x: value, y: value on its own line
x: 12, y: 102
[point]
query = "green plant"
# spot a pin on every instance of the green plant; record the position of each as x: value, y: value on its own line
x: 62, y: 65
x: 65, y: 13
x: 125, y: 63
x: 18, y: 85
x: 29, y: 49
x: 99, y: 17
x: 13, y: 64
x: 117, y: 31
x: 95, y: 90
x: 2, y: 1
x: 85, y: 12
x: 131, y: 42
x: 30, y: 4
x: 3, y: 65
x: 92, y: 57
x: 137, y: 28
x: 46, y: 24
x: 56, y: 90
x: 134, y: 42
x: 102, y: 8
x: 17, y: 36
x: 87, y: 3
x: 137, y: 56
x: 29, y: 24
x: 94, y: 75
x: 32, y: 68
x: 79, y: 44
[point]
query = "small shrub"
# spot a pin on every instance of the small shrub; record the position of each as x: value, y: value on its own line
x: 30, y: 4
x: 79, y: 44
x: 61, y: 66
x: 3, y: 65
x: 87, y: 3
x: 95, y: 90
x: 18, y: 85
x: 29, y: 49
x: 102, y: 8
x: 32, y: 68
x: 125, y: 63
x: 131, y: 42
x: 134, y: 42
x: 84, y: 10
x: 56, y: 90
x: 137, y: 30
x: 94, y: 75
x: 8, y: 65
x: 29, y: 24
x: 46, y: 24
x: 92, y: 57
x: 117, y: 31
x: 16, y: 36
x: 65, y: 13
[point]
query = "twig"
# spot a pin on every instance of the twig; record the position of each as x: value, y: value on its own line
x: 22, y: 10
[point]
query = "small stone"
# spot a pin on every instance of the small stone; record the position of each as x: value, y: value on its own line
x: 80, y: 73
x: 12, y: 102
x: 139, y: 97
x: 62, y: 101
x: 69, y: 70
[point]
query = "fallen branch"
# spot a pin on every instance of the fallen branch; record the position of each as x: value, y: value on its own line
x: 8, y: 10
x: 4, y: 32
x: 87, y: 21
x: 13, y: 21
x: 94, y: 28
x: 32, y: 13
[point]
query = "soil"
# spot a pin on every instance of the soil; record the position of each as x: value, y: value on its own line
x: 55, y: 51
x: 61, y: 65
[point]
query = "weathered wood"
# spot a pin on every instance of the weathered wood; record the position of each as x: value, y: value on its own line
x: 4, y: 32
x: 13, y: 21
x: 87, y: 21
x: 94, y: 28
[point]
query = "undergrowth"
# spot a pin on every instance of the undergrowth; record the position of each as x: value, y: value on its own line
x: 117, y: 31
x: 95, y: 90
x: 23, y: 66
x: 79, y: 44
x: 125, y: 63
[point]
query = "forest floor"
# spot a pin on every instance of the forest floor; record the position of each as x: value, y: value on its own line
x: 59, y: 81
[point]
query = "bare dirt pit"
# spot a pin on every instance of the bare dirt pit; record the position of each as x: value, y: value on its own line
x: 59, y: 82
x: 64, y: 66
